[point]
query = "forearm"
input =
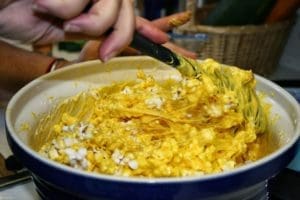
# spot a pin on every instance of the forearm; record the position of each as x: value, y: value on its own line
x: 18, y: 66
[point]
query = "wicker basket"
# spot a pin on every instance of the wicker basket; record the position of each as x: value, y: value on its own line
x: 256, y: 47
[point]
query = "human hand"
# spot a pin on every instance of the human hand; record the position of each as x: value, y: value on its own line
x: 102, y: 15
x: 50, y: 21
x: 91, y: 48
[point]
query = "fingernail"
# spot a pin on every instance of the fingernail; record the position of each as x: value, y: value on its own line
x: 72, y: 28
x: 39, y: 8
x: 180, y: 19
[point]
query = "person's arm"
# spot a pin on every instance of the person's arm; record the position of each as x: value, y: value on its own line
x: 18, y: 66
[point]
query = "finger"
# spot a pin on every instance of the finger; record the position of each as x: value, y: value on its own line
x: 90, y: 51
x: 147, y: 29
x: 180, y: 50
x: 175, y: 20
x: 64, y: 9
x: 122, y: 32
x: 102, y: 15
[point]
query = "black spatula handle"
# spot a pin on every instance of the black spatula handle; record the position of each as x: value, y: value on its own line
x: 147, y: 47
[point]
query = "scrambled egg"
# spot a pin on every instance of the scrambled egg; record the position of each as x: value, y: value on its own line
x: 177, y: 127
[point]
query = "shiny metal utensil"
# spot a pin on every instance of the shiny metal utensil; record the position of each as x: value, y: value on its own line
x: 14, y: 179
x: 12, y: 172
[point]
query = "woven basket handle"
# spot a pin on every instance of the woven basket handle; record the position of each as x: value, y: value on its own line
x: 191, y: 5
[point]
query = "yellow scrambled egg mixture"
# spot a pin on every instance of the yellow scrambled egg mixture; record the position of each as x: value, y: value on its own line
x: 176, y: 127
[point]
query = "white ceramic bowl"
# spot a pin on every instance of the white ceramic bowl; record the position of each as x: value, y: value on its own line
x: 56, y: 181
